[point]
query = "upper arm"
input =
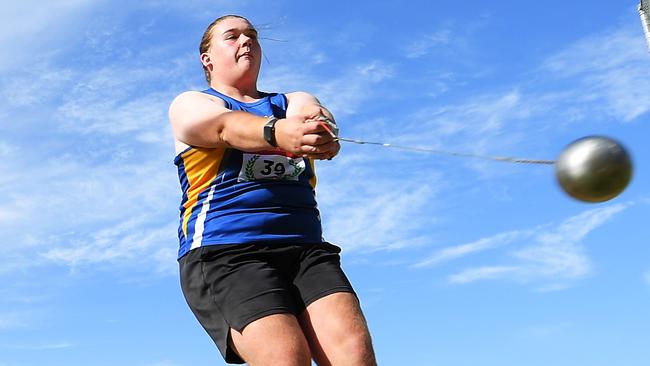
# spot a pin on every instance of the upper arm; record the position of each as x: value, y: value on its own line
x: 300, y: 103
x: 193, y: 116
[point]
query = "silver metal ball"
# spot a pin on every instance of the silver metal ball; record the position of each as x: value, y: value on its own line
x: 594, y: 169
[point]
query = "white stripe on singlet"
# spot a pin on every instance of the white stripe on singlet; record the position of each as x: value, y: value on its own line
x: 199, y: 226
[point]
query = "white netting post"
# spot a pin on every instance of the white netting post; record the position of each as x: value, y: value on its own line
x: 644, y: 12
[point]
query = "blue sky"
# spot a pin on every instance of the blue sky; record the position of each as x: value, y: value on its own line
x: 457, y: 261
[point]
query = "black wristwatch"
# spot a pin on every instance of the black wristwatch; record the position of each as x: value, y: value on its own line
x: 269, y: 132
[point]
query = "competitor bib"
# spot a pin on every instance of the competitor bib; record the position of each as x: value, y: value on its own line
x: 273, y: 167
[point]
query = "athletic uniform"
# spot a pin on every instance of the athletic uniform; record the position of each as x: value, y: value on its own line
x: 250, y: 233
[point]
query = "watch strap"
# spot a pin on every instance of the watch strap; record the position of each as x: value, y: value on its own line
x: 269, y: 132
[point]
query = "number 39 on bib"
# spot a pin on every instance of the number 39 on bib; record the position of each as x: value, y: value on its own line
x: 275, y: 167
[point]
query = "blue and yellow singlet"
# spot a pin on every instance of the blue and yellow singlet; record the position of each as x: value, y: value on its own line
x: 235, y: 197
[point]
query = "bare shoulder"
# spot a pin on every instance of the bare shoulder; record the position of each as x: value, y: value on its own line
x: 193, y: 104
x: 192, y: 98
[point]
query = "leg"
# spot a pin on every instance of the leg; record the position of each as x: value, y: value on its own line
x: 337, y: 332
x: 244, y: 302
x: 275, y: 340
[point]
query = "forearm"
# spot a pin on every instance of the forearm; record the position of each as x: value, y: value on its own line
x: 243, y: 131
x: 294, y: 135
x: 202, y: 121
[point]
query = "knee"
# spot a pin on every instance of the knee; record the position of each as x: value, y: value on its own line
x: 300, y: 356
x: 357, y: 349
x: 279, y: 356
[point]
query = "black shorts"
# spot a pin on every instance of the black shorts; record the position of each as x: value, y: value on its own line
x: 230, y: 286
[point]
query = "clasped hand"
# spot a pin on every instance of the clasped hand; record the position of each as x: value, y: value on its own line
x: 306, y: 136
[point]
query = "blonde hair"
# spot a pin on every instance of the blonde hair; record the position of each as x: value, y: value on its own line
x: 206, y: 40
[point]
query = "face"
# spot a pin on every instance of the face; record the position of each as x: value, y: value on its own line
x: 234, y: 50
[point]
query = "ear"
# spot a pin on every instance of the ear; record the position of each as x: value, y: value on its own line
x: 206, y: 61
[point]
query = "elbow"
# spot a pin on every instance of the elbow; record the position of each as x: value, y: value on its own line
x: 223, y: 137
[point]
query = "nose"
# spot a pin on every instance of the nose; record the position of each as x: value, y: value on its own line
x: 246, y: 40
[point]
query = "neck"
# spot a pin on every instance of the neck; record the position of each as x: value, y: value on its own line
x: 244, y: 94
x: 241, y: 88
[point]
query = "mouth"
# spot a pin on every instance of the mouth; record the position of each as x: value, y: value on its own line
x: 246, y: 54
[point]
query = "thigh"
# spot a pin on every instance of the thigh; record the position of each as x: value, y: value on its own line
x: 331, y: 319
x: 229, y: 287
x: 319, y: 274
x: 275, y: 339
x: 244, y: 286
x: 337, y: 332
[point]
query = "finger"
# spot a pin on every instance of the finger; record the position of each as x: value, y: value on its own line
x: 310, y: 149
x: 336, y: 149
x: 315, y: 126
x: 312, y: 111
x: 331, y: 129
x: 323, y: 152
x: 324, y: 156
x: 332, y: 154
x: 316, y: 139
x: 331, y: 147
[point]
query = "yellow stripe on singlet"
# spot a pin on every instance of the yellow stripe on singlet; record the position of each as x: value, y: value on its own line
x: 201, y: 168
x: 312, y: 180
